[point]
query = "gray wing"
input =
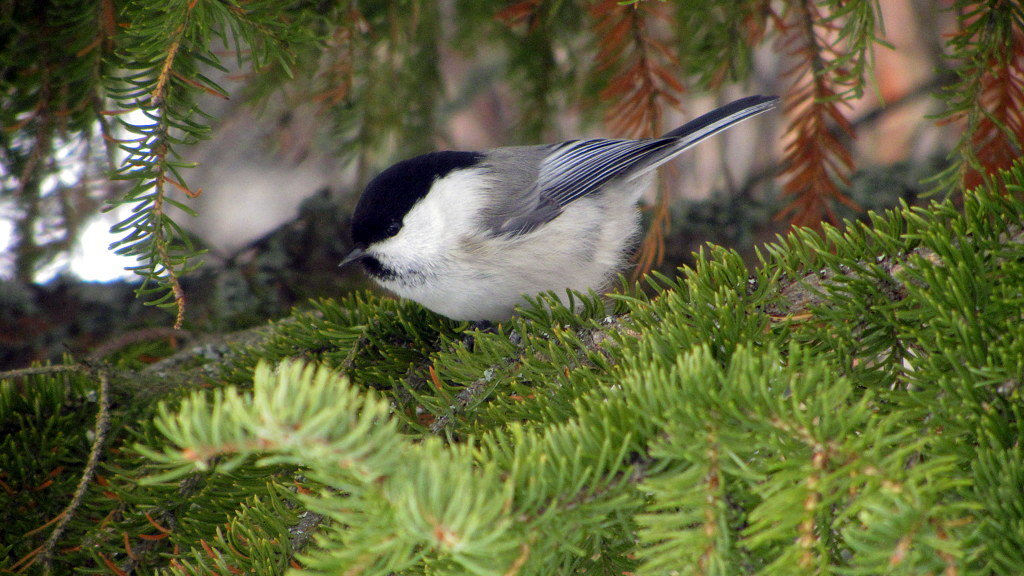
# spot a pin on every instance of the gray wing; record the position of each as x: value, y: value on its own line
x: 574, y: 169
x: 581, y: 167
x: 570, y: 171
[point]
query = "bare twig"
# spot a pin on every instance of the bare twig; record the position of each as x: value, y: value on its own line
x: 100, y: 432
x: 38, y: 370
x: 167, y: 68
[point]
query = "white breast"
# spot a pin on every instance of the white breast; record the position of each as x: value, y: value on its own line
x: 449, y: 266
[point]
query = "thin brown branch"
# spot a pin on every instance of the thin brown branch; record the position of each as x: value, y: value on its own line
x: 122, y: 341
x: 160, y: 242
x: 158, y: 98
x: 646, y: 78
x: 513, y: 14
x: 41, y: 146
x: 471, y: 395
x: 339, y: 72
x: 108, y: 23
x: 872, y: 116
x: 165, y: 70
x: 808, y: 528
x: 100, y: 433
x: 39, y: 370
x: 713, y: 487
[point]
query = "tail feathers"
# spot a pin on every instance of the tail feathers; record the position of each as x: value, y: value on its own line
x: 710, y: 124
x: 721, y: 118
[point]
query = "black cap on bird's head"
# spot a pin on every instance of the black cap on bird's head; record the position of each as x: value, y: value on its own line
x: 390, y: 196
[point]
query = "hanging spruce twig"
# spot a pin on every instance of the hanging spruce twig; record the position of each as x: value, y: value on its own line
x: 988, y: 98
x: 645, y: 82
x: 817, y: 161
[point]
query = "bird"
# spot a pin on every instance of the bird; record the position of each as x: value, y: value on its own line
x: 469, y: 234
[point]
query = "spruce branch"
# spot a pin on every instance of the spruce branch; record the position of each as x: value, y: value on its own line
x: 44, y: 554
x: 336, y: 433
x: 164, y: 519
x: 854, y: 406
x: 676, y: 503
x: 469, y: 396
x: 338, y: 76
x: 988, y: 98
x: 716, y: 39
x: 800, y: 297
x: 162, y: 56
x: 642, y: 85
x: 150, y: 234
x: 828, y: 69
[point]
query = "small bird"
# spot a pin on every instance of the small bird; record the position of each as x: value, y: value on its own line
x: 468, y: 234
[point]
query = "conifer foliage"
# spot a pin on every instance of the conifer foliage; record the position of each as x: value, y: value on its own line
x: 852, y: 407
x: 828, y: 69
x: 989, y: 96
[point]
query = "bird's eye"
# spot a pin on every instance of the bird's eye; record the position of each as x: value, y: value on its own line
x: 392, y: 228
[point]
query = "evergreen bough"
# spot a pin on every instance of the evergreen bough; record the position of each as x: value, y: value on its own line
x: 852, y: 406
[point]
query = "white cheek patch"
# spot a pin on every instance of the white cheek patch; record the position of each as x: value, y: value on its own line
x: 434, y: 225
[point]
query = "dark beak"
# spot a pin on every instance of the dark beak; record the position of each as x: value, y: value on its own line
x: 354, y: 255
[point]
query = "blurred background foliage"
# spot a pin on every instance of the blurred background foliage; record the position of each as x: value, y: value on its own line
x: 238, y: 134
